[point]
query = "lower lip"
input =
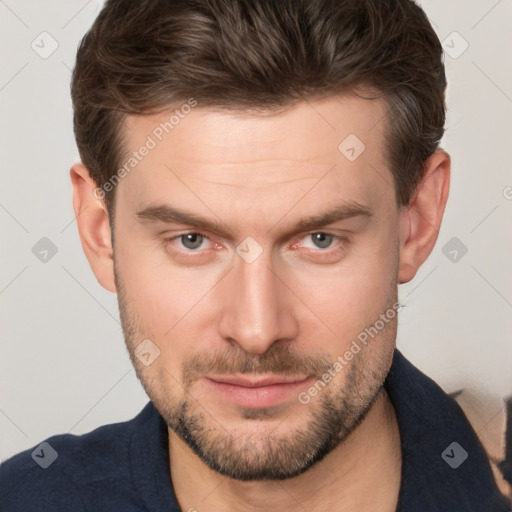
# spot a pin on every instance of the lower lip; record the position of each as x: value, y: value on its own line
x: 258, y: 397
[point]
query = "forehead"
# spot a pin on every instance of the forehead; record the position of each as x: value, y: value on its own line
x: 259, y: 155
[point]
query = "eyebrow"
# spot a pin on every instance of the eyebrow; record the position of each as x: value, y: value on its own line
x: 169, y: 214
x: 342, y: 212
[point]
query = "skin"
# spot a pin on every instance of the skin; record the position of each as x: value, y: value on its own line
x: 259, y: 176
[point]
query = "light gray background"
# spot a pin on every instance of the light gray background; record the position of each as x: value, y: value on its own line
x: 63, y: 364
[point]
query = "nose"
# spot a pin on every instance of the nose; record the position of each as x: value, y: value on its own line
x: 257, y: 307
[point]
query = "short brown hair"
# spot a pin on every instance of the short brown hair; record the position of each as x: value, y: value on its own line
x: 144, y: 56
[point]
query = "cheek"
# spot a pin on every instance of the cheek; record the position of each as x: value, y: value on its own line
x: 352, y: 296
x: 160, y: 293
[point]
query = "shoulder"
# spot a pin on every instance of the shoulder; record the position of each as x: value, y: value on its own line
x: 37, y: 480
x: 491, y: 418
x: 60, y: 473
x: 437, y: 439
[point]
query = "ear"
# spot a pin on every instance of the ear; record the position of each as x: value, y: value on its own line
x: 421, y: 219
x: 93, y: 226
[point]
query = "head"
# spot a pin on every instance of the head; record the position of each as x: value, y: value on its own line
x: 257, y: 178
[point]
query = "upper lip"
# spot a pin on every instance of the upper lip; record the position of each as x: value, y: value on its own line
x: 259, y: 381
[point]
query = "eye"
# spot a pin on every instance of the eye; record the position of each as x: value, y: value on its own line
x: 321, y: 247
x: 192, y: 241
x: 191, y: 248
x: 319, y: 240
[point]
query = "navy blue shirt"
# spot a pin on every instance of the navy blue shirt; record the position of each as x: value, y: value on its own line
x: 124, y: 467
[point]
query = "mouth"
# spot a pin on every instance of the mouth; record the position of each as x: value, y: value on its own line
x: 257, y: 391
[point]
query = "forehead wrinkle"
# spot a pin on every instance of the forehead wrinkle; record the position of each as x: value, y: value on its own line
x: 256, y: 185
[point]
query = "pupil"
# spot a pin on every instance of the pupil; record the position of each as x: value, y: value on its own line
x: 192, y: 240
x: 322, y: 240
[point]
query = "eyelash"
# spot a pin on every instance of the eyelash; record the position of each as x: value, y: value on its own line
x: 337, y: 241
x: 189, y: 252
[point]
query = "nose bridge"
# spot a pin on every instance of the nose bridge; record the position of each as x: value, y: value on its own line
x: 257, y: 313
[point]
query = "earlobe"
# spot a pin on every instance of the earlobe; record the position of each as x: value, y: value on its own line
x: 420, y: 220
x: 93, y: 226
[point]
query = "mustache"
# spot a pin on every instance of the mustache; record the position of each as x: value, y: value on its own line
x: 278, y: 360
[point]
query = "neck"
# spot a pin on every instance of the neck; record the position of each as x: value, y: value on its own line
x: 362, y: 473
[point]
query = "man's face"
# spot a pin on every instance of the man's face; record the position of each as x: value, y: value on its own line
x: 252, y: 252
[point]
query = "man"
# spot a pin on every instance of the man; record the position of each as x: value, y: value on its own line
x: 257, y: 178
